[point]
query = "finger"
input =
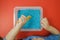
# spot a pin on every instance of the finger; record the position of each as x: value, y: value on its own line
x: 45, y: 20
x: 44, y: 23
x: 23, y: 18
x: 19, y: 20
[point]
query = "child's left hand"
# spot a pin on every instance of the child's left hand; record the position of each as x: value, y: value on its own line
x: 45, y: 23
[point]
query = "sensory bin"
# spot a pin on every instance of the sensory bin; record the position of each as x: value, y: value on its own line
x: 34, y: 22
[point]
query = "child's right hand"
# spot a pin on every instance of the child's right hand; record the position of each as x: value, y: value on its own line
x: 21, y: 21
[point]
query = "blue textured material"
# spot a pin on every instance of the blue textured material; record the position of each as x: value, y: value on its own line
x: 51, y: 37
x: 34, y: 22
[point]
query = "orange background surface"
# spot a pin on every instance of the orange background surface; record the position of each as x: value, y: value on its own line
x: 51, y: 10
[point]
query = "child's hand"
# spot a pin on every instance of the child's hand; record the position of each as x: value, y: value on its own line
x: 46, y: 26
x: 44, y: 23
x: 22, y: 20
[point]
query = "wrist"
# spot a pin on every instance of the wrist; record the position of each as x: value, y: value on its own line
x: 48, y: 28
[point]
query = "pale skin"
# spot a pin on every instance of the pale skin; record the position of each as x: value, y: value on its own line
x: 46, y: 26
x: 44, y: 22
x: 12, y: 34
